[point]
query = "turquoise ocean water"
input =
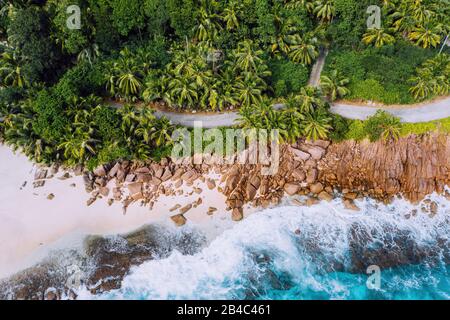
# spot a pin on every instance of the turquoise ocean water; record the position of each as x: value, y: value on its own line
x: 308, y: 253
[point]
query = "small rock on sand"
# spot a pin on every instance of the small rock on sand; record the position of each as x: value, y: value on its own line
x: 90, y: 201
x: 38, y: 184
x: 175, y: 207
x: 179, y: 220
x: 237, y: 214
x: 198, y: 190
x: 65, y: 176
x: 211, y: 211
x: 51, y: 196
x: 211, y: 184
x: 185, y: 209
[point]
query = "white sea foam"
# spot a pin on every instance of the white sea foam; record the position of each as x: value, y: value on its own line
x: 297, y: 243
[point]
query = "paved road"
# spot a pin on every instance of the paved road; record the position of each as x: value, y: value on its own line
x: 427, y: 112
x: 421, y: 113
x: 434, y: 110
x: 206, y: 120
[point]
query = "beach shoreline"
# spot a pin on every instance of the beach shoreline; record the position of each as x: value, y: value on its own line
x: 32, y: 223
x: 61, y: 208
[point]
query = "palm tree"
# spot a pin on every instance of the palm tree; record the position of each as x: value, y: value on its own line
x: 125, y: 76
x: 285, y: 35
x: 421, y: 13
x: 183, y: 91
x: 294, y: 4
x: 162, y: 132
x: 307, y: 100
x: 10, y: 70
x: 324, y: 10
x: 129, y: 84
x: 334, y: 85
x: 230, y: 16
x: 403, y: 20
x: 246, y: 57
x: 293, y: 118
x: 89, y: 54
x: 391, y: 129
x: 207, y: 29
x: 144, y: 130
x: 129, y: 119
x: 378, y: 37
x: 304, y: 49
x: 432, y: 78
x: 77, y: 147
x: 248, y: 92
x: 422, y: 85
x: 425, y: 37
x: 316, y: 125
x: 227, y: 92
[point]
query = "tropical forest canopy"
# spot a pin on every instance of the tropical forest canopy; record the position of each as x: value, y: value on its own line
x: 55, y: 81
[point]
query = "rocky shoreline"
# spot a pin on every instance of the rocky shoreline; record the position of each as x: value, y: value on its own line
x: 309, y: 172
x: 414, y: 167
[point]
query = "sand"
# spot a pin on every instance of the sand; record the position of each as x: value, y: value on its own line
x: 30, y: 224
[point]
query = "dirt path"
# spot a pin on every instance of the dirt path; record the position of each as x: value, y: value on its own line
x: 316, y: 71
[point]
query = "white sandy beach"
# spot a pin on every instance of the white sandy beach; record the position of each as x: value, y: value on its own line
x: 30, y: 223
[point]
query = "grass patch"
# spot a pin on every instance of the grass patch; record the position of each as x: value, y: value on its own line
x: 359, y: 130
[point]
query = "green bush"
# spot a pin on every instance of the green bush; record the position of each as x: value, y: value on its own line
x: 127, y: 15
x: 108, y: 122
x: 30, y: 32
x: 287, y: 77
x: 109, y: 153
x: 10, y: 95
x: 379, y: 74
x: 356, y: 130
x: 340, y: 128
x: 420, y: 128
x: 50, y: 122
x: 369, y: 89
x: 374, y: 126
x: 82, y: 80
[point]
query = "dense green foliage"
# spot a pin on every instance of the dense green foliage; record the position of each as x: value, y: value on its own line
x: 387, y: 72
x: 380, y: 74
x: 206, y: 55
x: 82, y: 131
x: 306, y: 115
x: 287, y: 76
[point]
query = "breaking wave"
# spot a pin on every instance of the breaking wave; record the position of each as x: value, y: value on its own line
x: 321, y: 252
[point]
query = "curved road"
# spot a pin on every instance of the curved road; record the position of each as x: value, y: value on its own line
x: 433, y: 110
x: 207, y: 121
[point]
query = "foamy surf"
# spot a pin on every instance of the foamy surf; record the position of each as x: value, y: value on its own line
x: 307, y: 253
